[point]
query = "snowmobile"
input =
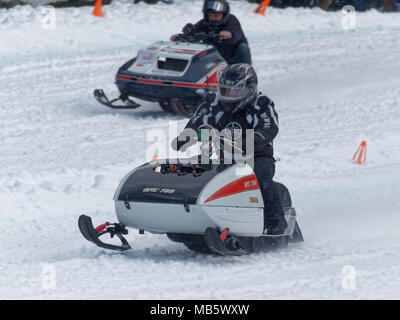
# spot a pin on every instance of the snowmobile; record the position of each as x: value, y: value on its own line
x: 209, y: 207
x: 177, y: 75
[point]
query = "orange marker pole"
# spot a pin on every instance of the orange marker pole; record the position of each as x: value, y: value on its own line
x: 361, y: 154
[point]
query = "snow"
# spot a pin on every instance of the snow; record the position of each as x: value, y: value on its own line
x: 63, y: 154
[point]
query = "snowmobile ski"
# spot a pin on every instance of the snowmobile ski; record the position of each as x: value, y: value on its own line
x: 217, y: 245
x: 92, y: 234
x: 102, y: 98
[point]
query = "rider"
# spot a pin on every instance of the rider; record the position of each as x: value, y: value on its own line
x: 232, y: 43
x: 240, y: 105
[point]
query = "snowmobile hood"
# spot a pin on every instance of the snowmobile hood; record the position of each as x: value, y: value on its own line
x: 166, y: 58
x: 146, y: 185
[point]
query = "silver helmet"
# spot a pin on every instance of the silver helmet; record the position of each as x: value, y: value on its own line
x: 216, y: 6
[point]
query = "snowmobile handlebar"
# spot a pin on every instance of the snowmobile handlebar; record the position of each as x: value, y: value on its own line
x: 214, y: 144
x: 197, y: 37
x: 211, y: 143
x: 215, y: 139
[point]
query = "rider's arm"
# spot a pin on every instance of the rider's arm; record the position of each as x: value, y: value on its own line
x: 203, y: 115
x: 233, y: 26
x: 267, y: 126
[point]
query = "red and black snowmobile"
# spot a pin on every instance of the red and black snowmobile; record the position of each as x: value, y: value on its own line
x: 177, y: 75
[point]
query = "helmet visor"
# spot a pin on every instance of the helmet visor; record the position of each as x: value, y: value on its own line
x: 227, y: 93
x: 214, y: 6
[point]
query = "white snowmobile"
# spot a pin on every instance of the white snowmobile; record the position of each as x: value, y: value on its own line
x: 210, y: 208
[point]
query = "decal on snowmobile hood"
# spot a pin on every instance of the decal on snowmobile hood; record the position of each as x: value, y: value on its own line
x: 146, y: 185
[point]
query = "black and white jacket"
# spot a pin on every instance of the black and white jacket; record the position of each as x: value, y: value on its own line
x: 259, y: 115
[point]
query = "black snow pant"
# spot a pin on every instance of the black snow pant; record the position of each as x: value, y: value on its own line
x: 264, y: 168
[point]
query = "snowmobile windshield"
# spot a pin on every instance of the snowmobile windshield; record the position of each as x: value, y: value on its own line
x: 214, y: 6
x: 232, y: 94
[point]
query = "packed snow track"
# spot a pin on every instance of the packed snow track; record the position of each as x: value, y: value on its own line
x: 62, y: 154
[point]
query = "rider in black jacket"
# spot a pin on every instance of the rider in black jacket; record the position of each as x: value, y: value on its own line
x: 240, y: 106
x: 232, y: 43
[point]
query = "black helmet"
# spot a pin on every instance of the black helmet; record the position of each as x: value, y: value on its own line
x: 216, y: 6
x: 238, y: 86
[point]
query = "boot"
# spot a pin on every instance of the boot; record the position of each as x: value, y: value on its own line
x: 275, y: 226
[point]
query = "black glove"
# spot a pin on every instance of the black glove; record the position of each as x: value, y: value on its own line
x: 188, y: 29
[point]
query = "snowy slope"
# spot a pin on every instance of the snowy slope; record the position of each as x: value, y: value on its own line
x: 62, y: 154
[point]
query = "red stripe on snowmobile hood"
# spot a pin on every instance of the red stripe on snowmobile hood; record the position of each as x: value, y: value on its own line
x: 118, y: 76
x: 244, y: 184
x: 166, y: 82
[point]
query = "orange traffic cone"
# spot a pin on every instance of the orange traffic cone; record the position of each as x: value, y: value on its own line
x: 262, y: 7
x: 155, y: 169
x: 98, y: 11
x: 361, y: 154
